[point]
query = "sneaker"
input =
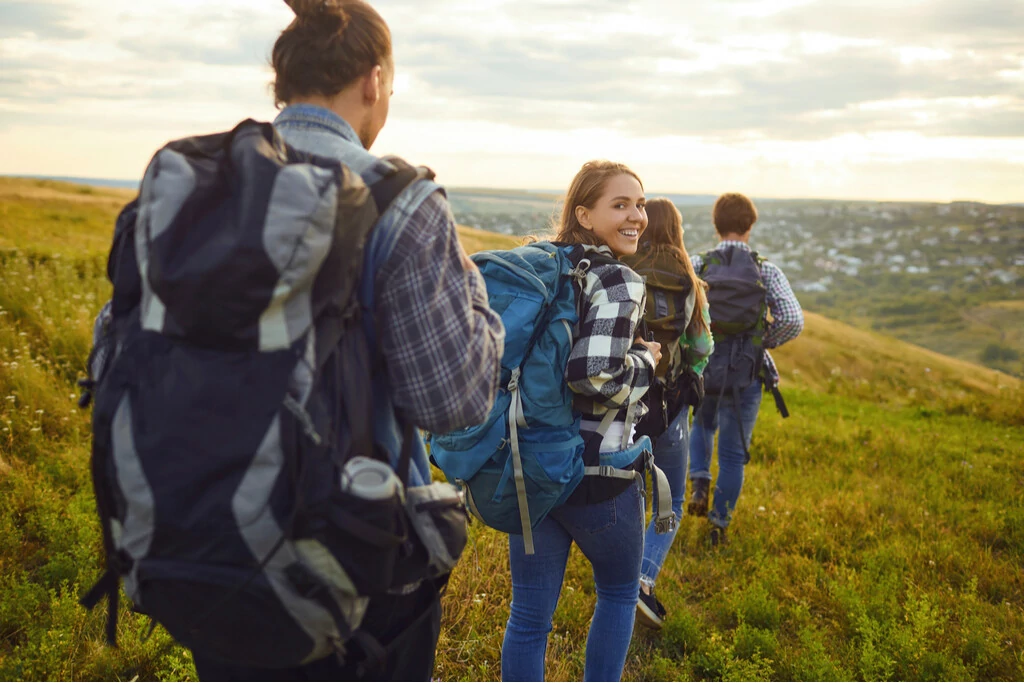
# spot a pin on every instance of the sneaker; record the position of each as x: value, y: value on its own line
x: 717, y: 536
x: 698, y: 505
x: 649, y: 610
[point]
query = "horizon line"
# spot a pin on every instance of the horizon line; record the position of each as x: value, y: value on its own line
x: 130, y: 184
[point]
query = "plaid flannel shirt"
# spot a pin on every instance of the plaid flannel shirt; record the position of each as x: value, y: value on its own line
x: 787, y: 316
x: 442, y: 340
x: 606, y: 369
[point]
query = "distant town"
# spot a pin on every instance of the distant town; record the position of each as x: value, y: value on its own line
x: 946, y: 276
x: 815, y: 241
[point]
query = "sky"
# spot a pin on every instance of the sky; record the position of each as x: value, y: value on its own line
x: 859, y: 99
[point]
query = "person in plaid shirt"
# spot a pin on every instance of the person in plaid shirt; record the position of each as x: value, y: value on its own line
x: 440, y: 344
x: 609, y: 369
x: 734, y: 216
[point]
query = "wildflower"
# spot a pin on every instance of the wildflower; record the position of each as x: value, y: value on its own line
x: 39, y: 412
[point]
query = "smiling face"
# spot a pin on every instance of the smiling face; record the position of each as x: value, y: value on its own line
x: 619, y: 215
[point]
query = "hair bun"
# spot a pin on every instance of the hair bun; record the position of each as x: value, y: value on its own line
x: 302, y: 7
x: 308, y: 8
x: 320, y: 10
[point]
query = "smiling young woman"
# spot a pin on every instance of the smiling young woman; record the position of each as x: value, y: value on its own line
x: 609, y: 371
x: 618, y: 217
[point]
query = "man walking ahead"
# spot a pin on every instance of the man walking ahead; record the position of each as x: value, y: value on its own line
x: 440, y: 343
x: 743, y: 289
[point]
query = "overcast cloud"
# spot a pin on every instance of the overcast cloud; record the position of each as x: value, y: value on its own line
x: 731, y: 85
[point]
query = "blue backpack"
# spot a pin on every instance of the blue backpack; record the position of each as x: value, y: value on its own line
x: 527, y: 457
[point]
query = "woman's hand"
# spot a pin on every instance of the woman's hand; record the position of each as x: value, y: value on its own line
x: 652, y: 346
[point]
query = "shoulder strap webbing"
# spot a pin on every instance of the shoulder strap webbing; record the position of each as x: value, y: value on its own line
x: 354, y: 361
x: 386, y: 189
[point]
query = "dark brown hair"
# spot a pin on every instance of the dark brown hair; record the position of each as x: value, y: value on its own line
x: 585, y: 190
x: 733, y: 214
x: 328, y: 45
x: 665, y: 234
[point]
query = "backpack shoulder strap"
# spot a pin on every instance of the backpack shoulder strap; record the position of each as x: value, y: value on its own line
x: 386, y: 189
x: 707, y: 258
x: 597, y: 258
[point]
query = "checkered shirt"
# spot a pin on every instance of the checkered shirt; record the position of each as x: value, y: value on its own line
x: 442, y: 340
x: 606, y: 369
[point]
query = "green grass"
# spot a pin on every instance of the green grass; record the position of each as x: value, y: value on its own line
x: 963, y: 323
x: 880, y: 533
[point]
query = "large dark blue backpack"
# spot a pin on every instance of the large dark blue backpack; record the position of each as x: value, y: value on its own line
x: 232, y: 395
x: 527, y: 457
x: 737, y: 300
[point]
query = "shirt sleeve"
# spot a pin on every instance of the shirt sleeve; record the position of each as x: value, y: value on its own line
x: 787, y: 315
x: 442, y: 342
x: 698, y: 349
x: 605, y: 364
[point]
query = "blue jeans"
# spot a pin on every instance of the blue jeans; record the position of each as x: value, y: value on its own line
x: 713, y: 417
x: 610, y: 535
x: 670, y: 454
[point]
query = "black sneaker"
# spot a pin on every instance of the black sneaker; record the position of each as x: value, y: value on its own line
x: 717, y: 536
x: 649, y: 610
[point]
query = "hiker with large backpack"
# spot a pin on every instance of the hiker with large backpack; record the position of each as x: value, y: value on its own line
x: 743, y: 288
x: 600, y: 381
x: 676, y: 316
x: 288, y: 311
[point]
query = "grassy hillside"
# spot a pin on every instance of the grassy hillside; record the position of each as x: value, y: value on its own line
x: 880, y: 534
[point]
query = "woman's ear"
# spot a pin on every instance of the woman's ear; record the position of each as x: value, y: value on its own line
x: 583, y: 217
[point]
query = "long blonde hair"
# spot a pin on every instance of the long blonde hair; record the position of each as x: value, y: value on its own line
x: 664, y: 234
x: 585, y: 190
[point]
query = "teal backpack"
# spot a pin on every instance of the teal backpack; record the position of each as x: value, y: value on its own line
x: 527, y: 457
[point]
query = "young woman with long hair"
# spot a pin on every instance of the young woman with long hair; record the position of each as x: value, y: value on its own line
x: 662, y: 250
x: 609, y: 369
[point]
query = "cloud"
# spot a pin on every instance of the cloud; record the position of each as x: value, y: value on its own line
x: 719, y: 76
x: 798, y: 93
x: 210, y: 35
x: 977, y: 23
x: 43, y: 20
